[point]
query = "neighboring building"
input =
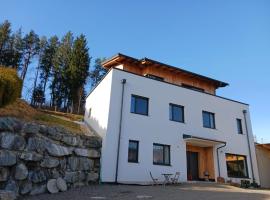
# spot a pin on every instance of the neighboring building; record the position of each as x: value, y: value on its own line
x: 159, y: 118
x: 263, y: 159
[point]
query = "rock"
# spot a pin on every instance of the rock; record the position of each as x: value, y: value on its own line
x: 31, y: 156
x: 77, y: 164
x: 7, y: 158
x: 38, y: 189
x: 12, y: 186
x: 54, y: 173
x: 73, y: 177
x: 92, y: 177
x: 4, y: 173
x: 71, y: 140
x: 54, y: 133
x: 92, y: 153
x: 91, y: 141
x: 49, y: 162
x: 63, y: 164
x: 21, y: 172
x: 10, y: 124
x: 58, y: 150
x: 36, y: 144
x: 26, y: 188
x: 61, y: 184
x: 37, y: 176
x: 31, y: 128
x: 12, y: 141
x: 7, y: 195
x: 51, y: 186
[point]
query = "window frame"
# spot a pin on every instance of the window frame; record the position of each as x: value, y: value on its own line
x: 137, y: 151
x: 141, y: 97
x: 232, y: 154
x: 163, y: 163
x: 171, y: 118
x: 239, y: 131
x: 214, y: 119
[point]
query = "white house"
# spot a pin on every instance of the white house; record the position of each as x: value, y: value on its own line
x: 157, y: 118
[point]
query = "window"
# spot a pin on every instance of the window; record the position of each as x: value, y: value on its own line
x: 89, y: 112
x: 176, y: 113
x: 133, y: 151
x: 208, y: 120
x: 139, y: 105
x: 161, y: 154
x: 154, y: 77
x: 236, y: 166
x: 239, y: 126
x: 192, y: 87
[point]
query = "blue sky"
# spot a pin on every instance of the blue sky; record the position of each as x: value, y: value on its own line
x: 225, y: 39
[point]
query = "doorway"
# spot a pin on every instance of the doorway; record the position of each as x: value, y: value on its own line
x: 192, y: 166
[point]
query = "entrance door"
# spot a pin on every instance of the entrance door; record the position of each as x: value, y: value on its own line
x: 192, y: 166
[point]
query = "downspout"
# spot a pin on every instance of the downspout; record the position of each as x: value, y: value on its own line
x: 250, y: 157
x: 218, y: 158
x: 123, y: 81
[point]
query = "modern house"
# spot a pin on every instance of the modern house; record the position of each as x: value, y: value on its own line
x: 263, y: 159
x: 157, y: 118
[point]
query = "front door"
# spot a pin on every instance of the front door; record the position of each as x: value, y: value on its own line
x: 192, y: 166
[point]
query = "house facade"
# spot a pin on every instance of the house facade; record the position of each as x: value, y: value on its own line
x: 156, y: 118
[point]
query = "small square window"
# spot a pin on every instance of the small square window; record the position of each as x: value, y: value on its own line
x: 139, y: 105
x: 208, y: 120
x: 133, y: 151
x: 176, y: 113
x: 161, y: 154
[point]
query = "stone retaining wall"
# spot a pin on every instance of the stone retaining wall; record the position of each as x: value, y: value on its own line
x: 35, y: 159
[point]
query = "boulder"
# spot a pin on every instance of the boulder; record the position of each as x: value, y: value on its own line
x: 73, y: 177
x: 10, y: 124
x: 91, y: 141
x: 21, y: 172
x: 38, y: 189
x: 37, y: 176
x: 26, y: 188
x: 36, y: 144
x: 12, y: 186
x: 61, y: 184
x: 92, y: 177
x: 12, y: 141
x: 31, y: 128
x: 71, y: 140
x: 4, y: 173
x: 54, y: 133
x: 7, y: 195
x: 7, y: 158
x: 49, y: 162
x: 31, y: 156
x: 78, y: 164
x: 58, y: 150
x: 52, y: 187
x: 90, y: 153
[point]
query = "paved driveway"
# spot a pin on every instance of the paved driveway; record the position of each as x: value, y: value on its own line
x: 202, y: 191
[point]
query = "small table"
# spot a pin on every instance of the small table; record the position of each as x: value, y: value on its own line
x: 167, y: 178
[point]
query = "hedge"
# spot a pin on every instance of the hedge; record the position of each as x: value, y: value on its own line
x: 10, y: 86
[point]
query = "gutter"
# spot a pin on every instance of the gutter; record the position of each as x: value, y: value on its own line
x: 123, y: 81
x: 249, y: 150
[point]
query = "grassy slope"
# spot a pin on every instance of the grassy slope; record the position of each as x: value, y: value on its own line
x: 21, y: 109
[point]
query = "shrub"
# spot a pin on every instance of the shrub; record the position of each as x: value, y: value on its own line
x: 10, y: 86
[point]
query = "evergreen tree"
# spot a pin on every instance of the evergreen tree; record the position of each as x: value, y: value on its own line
x: 97, y: 72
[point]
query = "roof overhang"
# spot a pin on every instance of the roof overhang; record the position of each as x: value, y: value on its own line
x: 201, y: 142
x: 265, y: 146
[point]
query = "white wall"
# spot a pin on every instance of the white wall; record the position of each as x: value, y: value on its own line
x: 157, y: 128
x: 263, y: 158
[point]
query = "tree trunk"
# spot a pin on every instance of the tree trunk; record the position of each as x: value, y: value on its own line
x: 35, y: 83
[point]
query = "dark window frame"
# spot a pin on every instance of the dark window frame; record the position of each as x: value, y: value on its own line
x: 163, y: 163
x: 152, y: 76
x: 137, y: 151
x: 141, y: 97
x: 171, y: 105
x: 232, y: 154
x: 239, y: 128
x: 214, y: 119
x: 192, y: 87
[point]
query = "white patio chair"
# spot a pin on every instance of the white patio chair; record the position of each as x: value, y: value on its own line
x: 154, y: 180
x: 175, y: 179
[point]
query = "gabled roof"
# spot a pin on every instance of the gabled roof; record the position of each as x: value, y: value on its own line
x: 121, y: 58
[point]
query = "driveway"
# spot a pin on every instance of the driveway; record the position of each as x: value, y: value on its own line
x: 187, y: 191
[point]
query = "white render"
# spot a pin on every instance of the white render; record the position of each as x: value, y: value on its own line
x: 263, y: 158
x: 105, y: 104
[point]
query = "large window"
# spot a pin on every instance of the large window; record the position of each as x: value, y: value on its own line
x: 161, y: 154
x: 239, y: 126
x: 133, y: 151
x: 236, y: 166
x: 139, y: 105
x: 208, y: 119
x: 176, y: 113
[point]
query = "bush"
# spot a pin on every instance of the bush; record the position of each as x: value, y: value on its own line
x: 10, y: 86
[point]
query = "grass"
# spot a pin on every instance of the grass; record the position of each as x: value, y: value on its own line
x: 20, y: 109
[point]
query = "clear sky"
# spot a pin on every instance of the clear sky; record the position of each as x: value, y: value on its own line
x: 225, y: 39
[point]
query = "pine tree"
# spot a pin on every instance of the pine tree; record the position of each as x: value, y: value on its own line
x: 97, y: 72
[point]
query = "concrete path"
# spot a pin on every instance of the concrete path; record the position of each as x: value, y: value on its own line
x: 198, y: 191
